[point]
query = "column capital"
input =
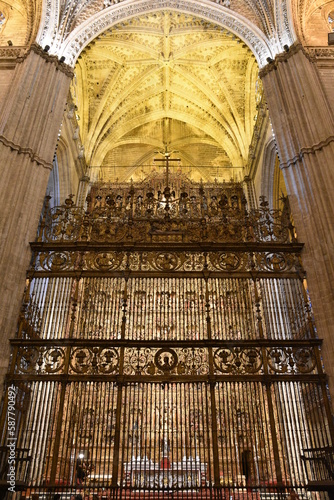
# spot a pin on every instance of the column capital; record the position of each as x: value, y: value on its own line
x: 34, y: 106
x: 313, y: 54
x: 282, y: 57
x: 61, y: 66
x: 300, y: 110
x: 16, y: 55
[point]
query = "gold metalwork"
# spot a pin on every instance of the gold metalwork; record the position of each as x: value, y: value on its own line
x: 165, y: 346
x: 146, y: 213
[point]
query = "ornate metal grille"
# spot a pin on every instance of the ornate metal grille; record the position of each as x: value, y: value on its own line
x: 166, y: 347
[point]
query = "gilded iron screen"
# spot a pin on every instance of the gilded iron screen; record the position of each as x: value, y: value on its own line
x: 166, y: 348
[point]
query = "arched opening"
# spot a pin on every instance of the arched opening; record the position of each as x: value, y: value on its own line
x: 166, y: 81
x: 164, y: 336
x: 239, y: 24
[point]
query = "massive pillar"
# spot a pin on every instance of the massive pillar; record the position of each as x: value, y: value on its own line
x: 303, y: 123
x: 29, y: 125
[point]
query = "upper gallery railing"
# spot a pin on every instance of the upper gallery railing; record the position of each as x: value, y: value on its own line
x: 177, y: 213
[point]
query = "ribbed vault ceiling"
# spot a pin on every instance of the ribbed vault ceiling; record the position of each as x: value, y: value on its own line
x: 166, y: 80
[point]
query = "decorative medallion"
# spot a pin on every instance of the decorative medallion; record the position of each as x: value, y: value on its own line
x: 166, y: 359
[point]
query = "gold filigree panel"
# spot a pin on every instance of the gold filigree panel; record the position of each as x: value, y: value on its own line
x: 165, y: 361
x: 190, y: 214
x: 167, y: 261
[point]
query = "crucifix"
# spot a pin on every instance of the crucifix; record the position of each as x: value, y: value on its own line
x: 167, y: 159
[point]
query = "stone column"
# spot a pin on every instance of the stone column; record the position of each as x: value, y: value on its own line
x: 29, y: 125
x: 303, y: 123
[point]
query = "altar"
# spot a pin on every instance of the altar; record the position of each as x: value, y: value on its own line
x: 142, y: 473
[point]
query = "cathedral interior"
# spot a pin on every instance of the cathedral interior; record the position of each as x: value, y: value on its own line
x: 167, y: 249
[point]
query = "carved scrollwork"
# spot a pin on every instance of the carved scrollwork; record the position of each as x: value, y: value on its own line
x: 227, y: 231
x: 196, y: 232
x: 275, y: 261
x: 193, y: 362
x: 166, y: 361
x: 138, y: 261
x: 291, y: 360
x: 90, y: 360
x: 40, y: 360
x: 238, y: 360
x: 268, y: 225
x: 167, y: 261
x: 54, y: 359
x: 64, y: 223
x: 26, y: 361
x: 278, y: 360
x: 225, y: 261
x: 105, y: 261
x: 57, y: 261
x: 197, y: 213
x: 107, y: 231
x: 305, y: 360
x: 194, y: 262
x: 10, y: 52
x: 139, y: 362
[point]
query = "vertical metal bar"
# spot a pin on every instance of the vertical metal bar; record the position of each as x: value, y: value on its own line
x: 62, y: 398
x: 212, y: 393
x: 119, y: 394
x: 274, y: 433
x: 282, y: 422
x: 117, y: 437
x: 262, y: 425
x: 125, y: 437
x: 258, y: 309
x: 99, y: 425
x: 58, y: 435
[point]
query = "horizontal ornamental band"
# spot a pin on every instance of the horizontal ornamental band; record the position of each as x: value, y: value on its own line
x: 155, y: 361
x: 62, y: 261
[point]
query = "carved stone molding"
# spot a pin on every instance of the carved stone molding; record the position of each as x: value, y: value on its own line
x: 10, y: 53
x: 19, y: 54
x: 61, y: 66
x: 26, y: 151
x: 313, y: 54
x: 282, y: 57
x: 306, y: 151
x: 316, y: 53
x: 220, y: 15
x: 103, y: 16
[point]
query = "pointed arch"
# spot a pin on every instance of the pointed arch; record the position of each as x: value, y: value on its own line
x: 71, y: 46
x: 270, y: 174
